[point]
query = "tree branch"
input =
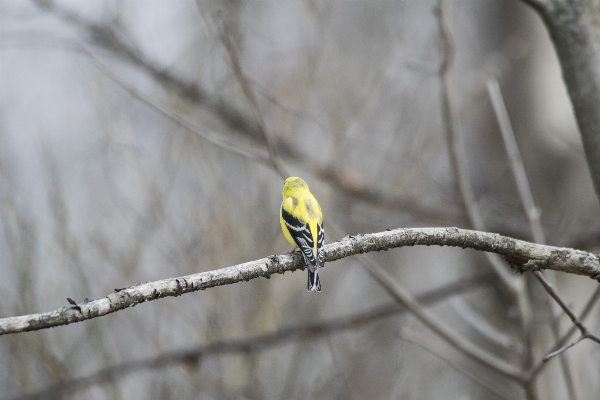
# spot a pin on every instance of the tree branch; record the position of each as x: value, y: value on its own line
x: 521, y: 255
x: 573, y: 28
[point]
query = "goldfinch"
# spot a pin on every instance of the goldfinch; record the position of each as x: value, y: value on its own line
x: 302, y: 224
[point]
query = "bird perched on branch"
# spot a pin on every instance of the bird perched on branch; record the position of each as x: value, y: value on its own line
x: 302, y: 224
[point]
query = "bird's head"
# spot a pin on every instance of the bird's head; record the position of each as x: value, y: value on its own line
x: 292, y: 184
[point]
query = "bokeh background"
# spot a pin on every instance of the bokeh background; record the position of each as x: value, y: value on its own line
x: 140, y: 140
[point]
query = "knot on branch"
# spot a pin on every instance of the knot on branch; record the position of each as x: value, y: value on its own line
x: 518, y: 263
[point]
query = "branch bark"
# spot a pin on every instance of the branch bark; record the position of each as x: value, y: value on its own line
x: 574, y: 27
x: 521, y: 255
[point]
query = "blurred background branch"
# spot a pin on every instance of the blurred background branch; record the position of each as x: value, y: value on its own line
x: 252, y: 344
x: 573, y: 28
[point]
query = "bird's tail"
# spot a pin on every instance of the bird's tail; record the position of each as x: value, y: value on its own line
x: 314, y: 283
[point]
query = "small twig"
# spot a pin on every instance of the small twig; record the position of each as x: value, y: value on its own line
x: 516, y: 162
x: 559, y: 351
x: 560, y: 302
x: 535, y: 370
x: 586, y: 310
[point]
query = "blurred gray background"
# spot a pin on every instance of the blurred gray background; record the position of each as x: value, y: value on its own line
x: 134, y: 145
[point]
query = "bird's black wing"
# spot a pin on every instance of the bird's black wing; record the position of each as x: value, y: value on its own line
x: 320, y: 244
x: 300, y: 232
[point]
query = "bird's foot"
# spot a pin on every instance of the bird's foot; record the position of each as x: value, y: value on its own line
x: 294, y: 250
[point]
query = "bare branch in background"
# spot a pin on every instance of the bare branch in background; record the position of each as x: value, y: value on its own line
x: 573, y: 28
x: 457, y: 153
x: 517, y: 288
x: 402, y: 296
x: 563, y: 349
x: 107, y: 38
x: 232, y: 52
x: 255, y: 343
x: 532, y: 212
x: 221, y: 141
x: 567, y: 310
x: 497, y: 387
x: 561, y: 344
x: 516, y: 162
x: 533, y: 215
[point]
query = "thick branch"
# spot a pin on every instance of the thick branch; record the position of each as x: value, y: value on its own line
x: 574, y: 26
x: 521, y: 255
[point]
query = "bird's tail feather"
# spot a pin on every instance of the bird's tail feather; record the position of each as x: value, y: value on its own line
x: 314, y: 283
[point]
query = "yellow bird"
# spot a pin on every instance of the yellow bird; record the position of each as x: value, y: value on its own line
x: 302, y: 224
